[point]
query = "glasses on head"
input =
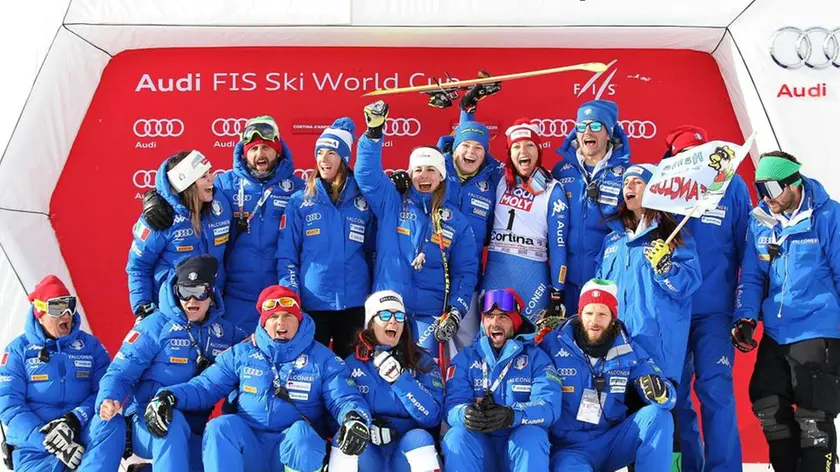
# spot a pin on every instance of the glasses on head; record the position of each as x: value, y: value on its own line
x: 57, y: 307
x: 199, y: 292
x: 593, y: 126
x: 385, y: 316
x: 501, y: 299
x: 283, y: 302
x: 264, y: 129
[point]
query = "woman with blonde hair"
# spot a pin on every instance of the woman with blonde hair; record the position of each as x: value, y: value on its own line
x: 201, y: 226
x: 326, y: 240
x: 425, y: 248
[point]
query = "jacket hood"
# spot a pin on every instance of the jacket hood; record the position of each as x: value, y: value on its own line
x: 284, y: 170
x: 282, y: 352
x: 35, y: 332
x: 620, y: 151
x: 164, y: 189
x: 170, y: 306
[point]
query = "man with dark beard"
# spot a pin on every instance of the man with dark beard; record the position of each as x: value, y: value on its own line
x: 597, y: 360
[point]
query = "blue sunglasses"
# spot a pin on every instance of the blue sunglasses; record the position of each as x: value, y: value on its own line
x: 385, y: 315
x: 594, y: 126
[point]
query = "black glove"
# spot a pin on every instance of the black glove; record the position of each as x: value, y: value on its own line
x: 448, y: 325
x: 157, y: 211
x: 158, y: 414
x: 474, y: 418
x: 353, y: 435
x: 478, y: 92
x: 375, y: 115
x: 61, y: 432
x: 401, y: 180
x: 742, y: 335
x: 556, y: 308
x: 654, y: 388
x: 380, y: 433
x: 144, y: 310
x: 497, y: 417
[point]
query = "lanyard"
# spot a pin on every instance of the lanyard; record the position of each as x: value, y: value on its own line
x: 485, y: 380
x: 195, y: 344
x: 260, y: 202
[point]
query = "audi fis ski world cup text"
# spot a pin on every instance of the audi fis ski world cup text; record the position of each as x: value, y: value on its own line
x: 283, y: 81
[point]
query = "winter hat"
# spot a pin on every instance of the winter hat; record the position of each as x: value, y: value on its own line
x: 472, y: 131
x: 642, y: 171
x: 274, y: 292
x: 776, y: 168
x: 604, y: 111
x: 257, y: 139
x: 427, y: 156
x: 186, y: 172
x: 197, y: 270
x: 684, y: 136
x: 600, y: 291
x: 521, y: 130
x: 382, y: 300
x: 515, y: 316
x: 338, y: 137
x: 49, y: 287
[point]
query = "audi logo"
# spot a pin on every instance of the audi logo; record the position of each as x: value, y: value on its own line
x: 816, y: 47
x: 222, y: 127
x: 252, y: 371
x: 179, y: 342
x: 313, y: 217
x: 158, y: 128
x: 182, y: 233
x: 246, y: 197
x: 146, y: 178
x: 558, y: 128
x: 402, y: 127
x: 567, y: 371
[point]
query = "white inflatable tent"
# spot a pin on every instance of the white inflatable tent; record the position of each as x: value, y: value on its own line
x: 56, y: 50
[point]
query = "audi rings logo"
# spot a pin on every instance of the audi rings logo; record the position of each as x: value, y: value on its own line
x: 643, y: 129
x: 232, y: 127
x: 558, y: 128
x: 158, y: 128
x: 179, y: 342
x: 144, y: 178
x: 402, y: 127
x: 816, y: 47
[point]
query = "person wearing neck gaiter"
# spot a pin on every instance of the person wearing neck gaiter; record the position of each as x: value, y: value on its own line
x: 601, y: 368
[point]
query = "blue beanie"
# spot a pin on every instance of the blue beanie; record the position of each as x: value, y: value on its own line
x: 338, y: 137
x: 472, y: 130
x: 604, y: 111
x: 642, y: 171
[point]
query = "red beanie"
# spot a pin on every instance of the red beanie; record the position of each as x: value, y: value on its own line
x: 272, y: 144
x: 49, y: 287
x: 685, y: 136
x: 521, y: 130
x: 274, y: 292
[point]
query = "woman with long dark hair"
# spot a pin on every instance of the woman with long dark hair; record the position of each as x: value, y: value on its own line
x: 201, y: 226
x: 326, y: 238
x: 402, y: 385
x: 655, y: 279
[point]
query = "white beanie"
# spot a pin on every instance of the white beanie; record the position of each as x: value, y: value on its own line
x: 427, y: 156
x: 382, y: 300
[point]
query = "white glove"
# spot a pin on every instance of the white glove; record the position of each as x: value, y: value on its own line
x: 388, y: 366
x: 381, y: 435
x: 71, y: 456
x: 59, y: 435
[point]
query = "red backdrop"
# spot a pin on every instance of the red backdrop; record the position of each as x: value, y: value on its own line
x: 153, y: 103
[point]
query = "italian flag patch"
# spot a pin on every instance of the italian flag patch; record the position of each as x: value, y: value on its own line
x: 141, y: 231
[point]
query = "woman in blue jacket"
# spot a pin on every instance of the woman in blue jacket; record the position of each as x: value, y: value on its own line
x: 655, y: 280
x: 201, y: 226
x: 425, y: 247
x: 403, y: 387
x: 326, y: 237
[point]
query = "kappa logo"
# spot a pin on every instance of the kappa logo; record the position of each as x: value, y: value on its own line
x: 557, y: 207
x: 520, y: 362
x: 357, y: 373
x: 176, y: 327
x: 475, y: 365
x: 257, y: 355
x: 563, y: 353
x: 724, y: 361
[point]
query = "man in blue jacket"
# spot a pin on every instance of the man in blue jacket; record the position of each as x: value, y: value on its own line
x: 720, y: 234
x: 170, y: 346
x: 258, y: 189
x: 286, y: 384
x: 600, y: 366
x: 502, y: 395
x: 49, y: 377
x: 790, y: 278
x: 593, y: 159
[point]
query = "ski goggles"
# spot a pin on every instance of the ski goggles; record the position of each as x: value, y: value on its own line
x: 199, y: 292
x: 501, y: 299
x: 593, y: 126
x: 385, y: 315
x: 282, y: 302
x: 771, y: 189
x: 56, y: 307
x: 266, y: 130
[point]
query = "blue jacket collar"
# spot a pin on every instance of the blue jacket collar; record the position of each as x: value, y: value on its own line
x: 282, y: 352
x: 35, y: 332
x: 284, y: 170
x: 171, y: 307
x: 618, y: 353
x: 814, y: 197
x: 640, y: 234
x: 350, y: 191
